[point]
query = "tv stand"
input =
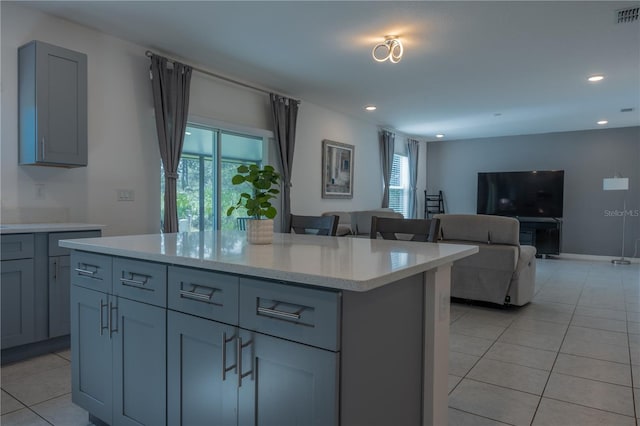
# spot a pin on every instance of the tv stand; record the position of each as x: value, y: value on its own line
x: 544, y: 233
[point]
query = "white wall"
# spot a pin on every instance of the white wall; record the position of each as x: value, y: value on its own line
x: 122, y: 151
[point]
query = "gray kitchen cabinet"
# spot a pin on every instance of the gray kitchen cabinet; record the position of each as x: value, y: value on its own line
x: 139, y: 363
x: 285, y: 383
x: 201, y: 372
x: 18, y: 293
x: 59, y: 296
x: 118, y: 345
x: 224, y: 374
x: 59, y: 282
x: 18, y: 289
x: 91, y: 369
x: 52, y: 105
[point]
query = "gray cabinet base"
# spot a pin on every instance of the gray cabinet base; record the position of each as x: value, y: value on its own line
x: 96, y: 421
x: 31, y: 350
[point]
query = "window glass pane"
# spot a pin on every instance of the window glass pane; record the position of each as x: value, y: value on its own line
x: 198, y: 200
x: 399, y: 185
x: 235, y: 150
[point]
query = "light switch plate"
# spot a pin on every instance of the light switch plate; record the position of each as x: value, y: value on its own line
x: 125, y: 194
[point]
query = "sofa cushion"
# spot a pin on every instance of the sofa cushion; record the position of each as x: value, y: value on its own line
x: 500, y: 257
x: 361, y: 219
x: 480, y: 228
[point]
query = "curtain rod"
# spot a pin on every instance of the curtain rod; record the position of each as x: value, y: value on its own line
x: 149, y: 54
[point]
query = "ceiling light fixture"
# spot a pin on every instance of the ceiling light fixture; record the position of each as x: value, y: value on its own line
x: 390, y: 49
x: 596, y: 78
x: 370, y: 107
x: 602, y: 122
x: 439, y: 135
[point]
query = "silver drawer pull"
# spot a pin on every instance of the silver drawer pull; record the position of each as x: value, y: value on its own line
x: 277, y: 313
x: 197, y: 296
x: 86, y: 272
x: 135, y: 283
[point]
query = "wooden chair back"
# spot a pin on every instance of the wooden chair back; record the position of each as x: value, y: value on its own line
x: 317, y: 225
x: 425, y: 230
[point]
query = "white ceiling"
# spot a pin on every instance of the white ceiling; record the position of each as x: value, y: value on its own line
x: 470, y: 69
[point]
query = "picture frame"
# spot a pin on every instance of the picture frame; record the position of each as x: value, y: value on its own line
x: 337, y: 169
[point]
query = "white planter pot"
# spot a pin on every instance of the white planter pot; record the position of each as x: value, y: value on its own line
x: 260, y: 231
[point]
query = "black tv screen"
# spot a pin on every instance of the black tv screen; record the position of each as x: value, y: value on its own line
x: 524, y: 194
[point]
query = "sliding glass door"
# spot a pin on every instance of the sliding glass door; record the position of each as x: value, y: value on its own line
x: 209, y: 159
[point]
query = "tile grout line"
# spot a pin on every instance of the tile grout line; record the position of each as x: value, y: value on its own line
x: 544, y: 388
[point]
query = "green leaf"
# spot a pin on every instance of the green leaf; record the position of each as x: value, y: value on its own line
x: 230, y: 210
x: 243, y: 169
x: 237, y: 179
x: 270, y: 212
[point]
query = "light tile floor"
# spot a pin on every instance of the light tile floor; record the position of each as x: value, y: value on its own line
x: 571, y: 357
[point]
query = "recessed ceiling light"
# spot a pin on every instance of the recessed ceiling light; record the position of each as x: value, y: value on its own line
x: 602, y: 122
x: 371, y: 107
x: 595, y: 78
x: 439, y: 135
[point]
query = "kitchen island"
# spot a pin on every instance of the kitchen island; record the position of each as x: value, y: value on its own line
x: 196, y: 328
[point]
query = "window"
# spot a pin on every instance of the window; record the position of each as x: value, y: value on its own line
x: 204, y: 191
x: 399, y: 185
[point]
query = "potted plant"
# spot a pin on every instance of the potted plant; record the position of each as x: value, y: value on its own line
x: 264, y: 182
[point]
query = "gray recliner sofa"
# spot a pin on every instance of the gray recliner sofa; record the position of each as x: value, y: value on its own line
x: 502, y: 272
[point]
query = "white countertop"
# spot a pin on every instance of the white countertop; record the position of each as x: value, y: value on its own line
x: 24, y: 228
x: 356, y: 264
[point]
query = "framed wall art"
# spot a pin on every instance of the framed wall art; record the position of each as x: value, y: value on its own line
x: 337, y: 169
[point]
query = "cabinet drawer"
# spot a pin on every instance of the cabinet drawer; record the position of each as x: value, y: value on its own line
x: 140, y: 280
x: 296, y: 313
x: 16, y: 246
x: 91, y: 271
x: 55, y: 237
x: 204, y: 293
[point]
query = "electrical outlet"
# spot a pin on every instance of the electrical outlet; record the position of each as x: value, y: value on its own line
x: 125, y: 194
x: 39, y: 191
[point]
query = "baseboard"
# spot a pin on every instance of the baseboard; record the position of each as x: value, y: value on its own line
x: 575, y: 256
x: 20, y: 353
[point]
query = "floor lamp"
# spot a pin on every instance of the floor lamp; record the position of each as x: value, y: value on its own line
x: 618, y: 184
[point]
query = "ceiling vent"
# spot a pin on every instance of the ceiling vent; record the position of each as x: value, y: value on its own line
x: 626, y: 110
x: 628, y: 15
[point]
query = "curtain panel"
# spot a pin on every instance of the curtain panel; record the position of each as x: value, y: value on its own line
x: 285, y: 116
x: 413, y: 148
x: 170, y: 84
x: 387, y: 145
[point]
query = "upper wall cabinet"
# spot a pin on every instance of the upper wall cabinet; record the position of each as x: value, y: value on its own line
x: 52, y: 104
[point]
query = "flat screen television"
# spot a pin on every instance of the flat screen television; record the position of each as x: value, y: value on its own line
x: 523, y: 194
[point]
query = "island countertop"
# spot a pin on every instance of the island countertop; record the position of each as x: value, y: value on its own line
x: 355, y: 264
x: 27, y: 228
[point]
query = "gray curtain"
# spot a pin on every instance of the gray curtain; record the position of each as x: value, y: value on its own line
x: 285, y: 116
x: 387, y: 143
x: 412, y: 151
x: 170, y: 86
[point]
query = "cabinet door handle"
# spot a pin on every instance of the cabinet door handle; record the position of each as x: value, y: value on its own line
x: 83, y: 271
x: 277, y: 313
x: 225, y: 369
x: 44, y: 151
x: 55, y: 269
x: 241, y: 375
x: 102, y: 326
x: 191, y: 294
x: 111, y: 320
x: 135, y: 283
